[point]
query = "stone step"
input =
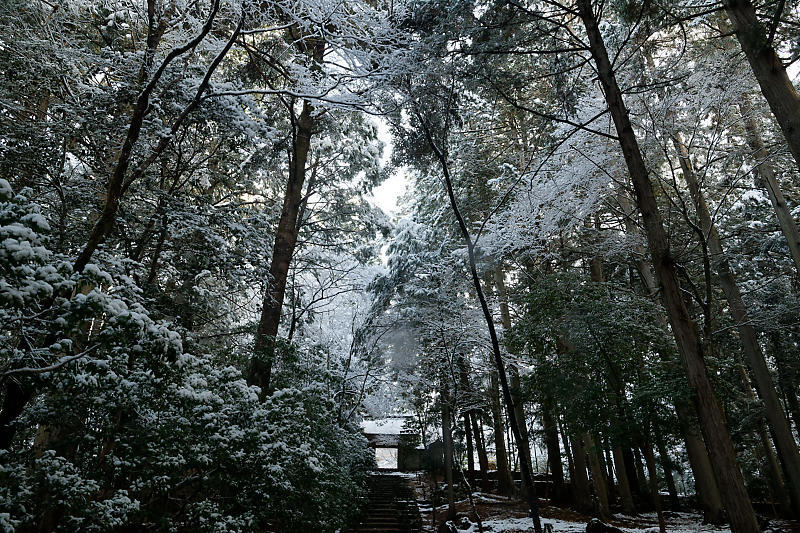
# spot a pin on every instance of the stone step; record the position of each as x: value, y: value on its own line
x: 390, y: 507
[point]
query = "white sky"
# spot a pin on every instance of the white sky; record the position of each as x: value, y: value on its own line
x: 388, y: 194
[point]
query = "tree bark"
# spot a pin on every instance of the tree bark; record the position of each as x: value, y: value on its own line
x: 706, y: 489
x: 773, y: 410
x: 553, y: 450
x: 483, y: 459
x: 470, y: 451
x: 787, y: 378
x: 625, y: 494
x: 567, y: 450
x: 504, y: 481
x: 580, y: 478
x: 773, y: 470
x: 717, y: 436
x: 608, y: 463
x: 650, y: 460
x: 639, y: 465
x: 766, y: 172
x: 634, y: 477
x: 768, y: 69
x: 260, y: 371
x: 598, y: 476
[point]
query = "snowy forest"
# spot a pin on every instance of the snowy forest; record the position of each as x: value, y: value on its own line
x: 557, y: 239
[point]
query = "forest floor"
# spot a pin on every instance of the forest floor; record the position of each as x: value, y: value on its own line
x: 508, y: 515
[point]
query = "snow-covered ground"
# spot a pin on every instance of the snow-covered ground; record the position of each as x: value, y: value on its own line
x: 645, y: 523
x: 684, y: 523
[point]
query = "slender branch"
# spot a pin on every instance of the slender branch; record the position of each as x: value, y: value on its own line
x: 773, y: 27
x: 54, y: 366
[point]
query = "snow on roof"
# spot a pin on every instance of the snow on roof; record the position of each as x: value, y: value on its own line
x: 385, y: 426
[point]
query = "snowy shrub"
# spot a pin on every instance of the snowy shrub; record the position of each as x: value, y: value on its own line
x: 126, y: 430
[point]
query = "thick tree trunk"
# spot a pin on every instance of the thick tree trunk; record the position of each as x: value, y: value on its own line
x: 608, y: 463
x: 580, y: 478
x: 717, y: 436
x: 625, y: 495
x: 773, y: 410
x: 766, y: 172
x: 776, y: 483
x: 598, y: 476
x: 639, y: 464
x: 708, y: 494
x: 634, y: 476
x: 260, y: 371
x: 768, y: 69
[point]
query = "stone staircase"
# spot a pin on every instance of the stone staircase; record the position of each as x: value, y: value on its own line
x: 391, y: 507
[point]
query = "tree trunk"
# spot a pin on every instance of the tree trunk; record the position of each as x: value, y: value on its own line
x: 639, y: 465
x: 630, y: 470
x: 773, y: 470
x: 553, y: 450
x: 513, y: 371
x: 787, y: 378
x: 447, y: 438
x: 626, y: 497
x: 666, y: 465
x: 598, y: 476
x: 580, y: 478
x: 773, y: 410
x: 260, y: 371
x: 504, y: 480
x: 470, y: 451
x: 650, y: 460
x: 717, y: 436
x: 483, y: 459
x: 768, y: 69
x: 706, y: 489
x: 608, y: 462
x: 766, y: 172
x: 16, y: 397
x: 567, y: 451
